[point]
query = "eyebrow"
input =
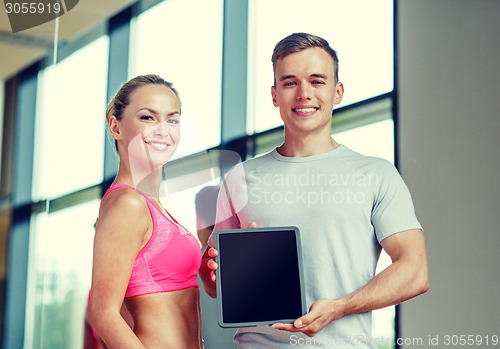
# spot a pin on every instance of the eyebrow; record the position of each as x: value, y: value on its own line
x: 314, y: 75
x: 152, y: 111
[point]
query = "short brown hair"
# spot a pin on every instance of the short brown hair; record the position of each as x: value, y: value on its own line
x: 297, y: 42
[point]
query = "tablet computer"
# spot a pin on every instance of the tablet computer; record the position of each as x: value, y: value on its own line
x: 259, y: 279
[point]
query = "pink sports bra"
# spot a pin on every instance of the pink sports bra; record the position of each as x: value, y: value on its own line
x: 169, y: 261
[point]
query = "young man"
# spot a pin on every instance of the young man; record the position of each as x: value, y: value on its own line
x: 346, y: 205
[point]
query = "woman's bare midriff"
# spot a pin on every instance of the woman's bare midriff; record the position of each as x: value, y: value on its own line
x: 168, y: 319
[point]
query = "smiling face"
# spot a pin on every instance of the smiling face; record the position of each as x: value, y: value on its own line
x: 306, y: 91
x: 149, y: 131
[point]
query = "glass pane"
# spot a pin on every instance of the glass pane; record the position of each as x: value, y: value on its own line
x: 360, y: 31
x: 181, y: 40
x: 69, y: 144
x: 60, y: 269
x: 375, y: 139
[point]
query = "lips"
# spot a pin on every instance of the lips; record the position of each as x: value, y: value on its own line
x: 304, y: 110
x: 158, y: 145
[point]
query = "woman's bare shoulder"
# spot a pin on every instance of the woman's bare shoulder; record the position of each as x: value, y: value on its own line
x: 123, y: 198
x: 123, y: 206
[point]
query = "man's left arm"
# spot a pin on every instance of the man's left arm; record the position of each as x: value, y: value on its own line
x: 405, y: 278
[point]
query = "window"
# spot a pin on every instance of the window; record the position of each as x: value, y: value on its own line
x: 360, y: 31
x: 69, y: 157
x: 59, y: 276
x: 181, y: 40
x: 69, y: 140
x: 376, y: 139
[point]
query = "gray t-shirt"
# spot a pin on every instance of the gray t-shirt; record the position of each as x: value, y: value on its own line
x: 344, y: 204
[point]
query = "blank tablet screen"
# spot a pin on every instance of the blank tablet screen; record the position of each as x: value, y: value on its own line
x: 259, y: 278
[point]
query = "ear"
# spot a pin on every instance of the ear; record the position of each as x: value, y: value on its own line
x: 339, y: 92
x: 275, y: 97
x: 114, y: 127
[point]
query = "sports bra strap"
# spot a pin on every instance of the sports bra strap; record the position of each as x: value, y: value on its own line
x: 116, y: 186
x: 149, y: 201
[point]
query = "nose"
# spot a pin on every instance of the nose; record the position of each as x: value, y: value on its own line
x: 303, y: 92
x: 161, y: 129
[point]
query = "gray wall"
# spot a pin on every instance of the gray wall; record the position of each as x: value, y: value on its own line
x: 449, y: 155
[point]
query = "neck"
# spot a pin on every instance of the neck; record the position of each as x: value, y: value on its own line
x: 149, y: 184
x: 150, y: 187
x: 300, y: 147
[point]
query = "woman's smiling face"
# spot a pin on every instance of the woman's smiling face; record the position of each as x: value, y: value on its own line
x: 149, y: 131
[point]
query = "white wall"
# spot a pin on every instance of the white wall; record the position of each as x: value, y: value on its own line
x: 449, y: 155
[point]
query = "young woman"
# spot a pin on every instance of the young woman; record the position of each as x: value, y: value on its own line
x: 142, y: 256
